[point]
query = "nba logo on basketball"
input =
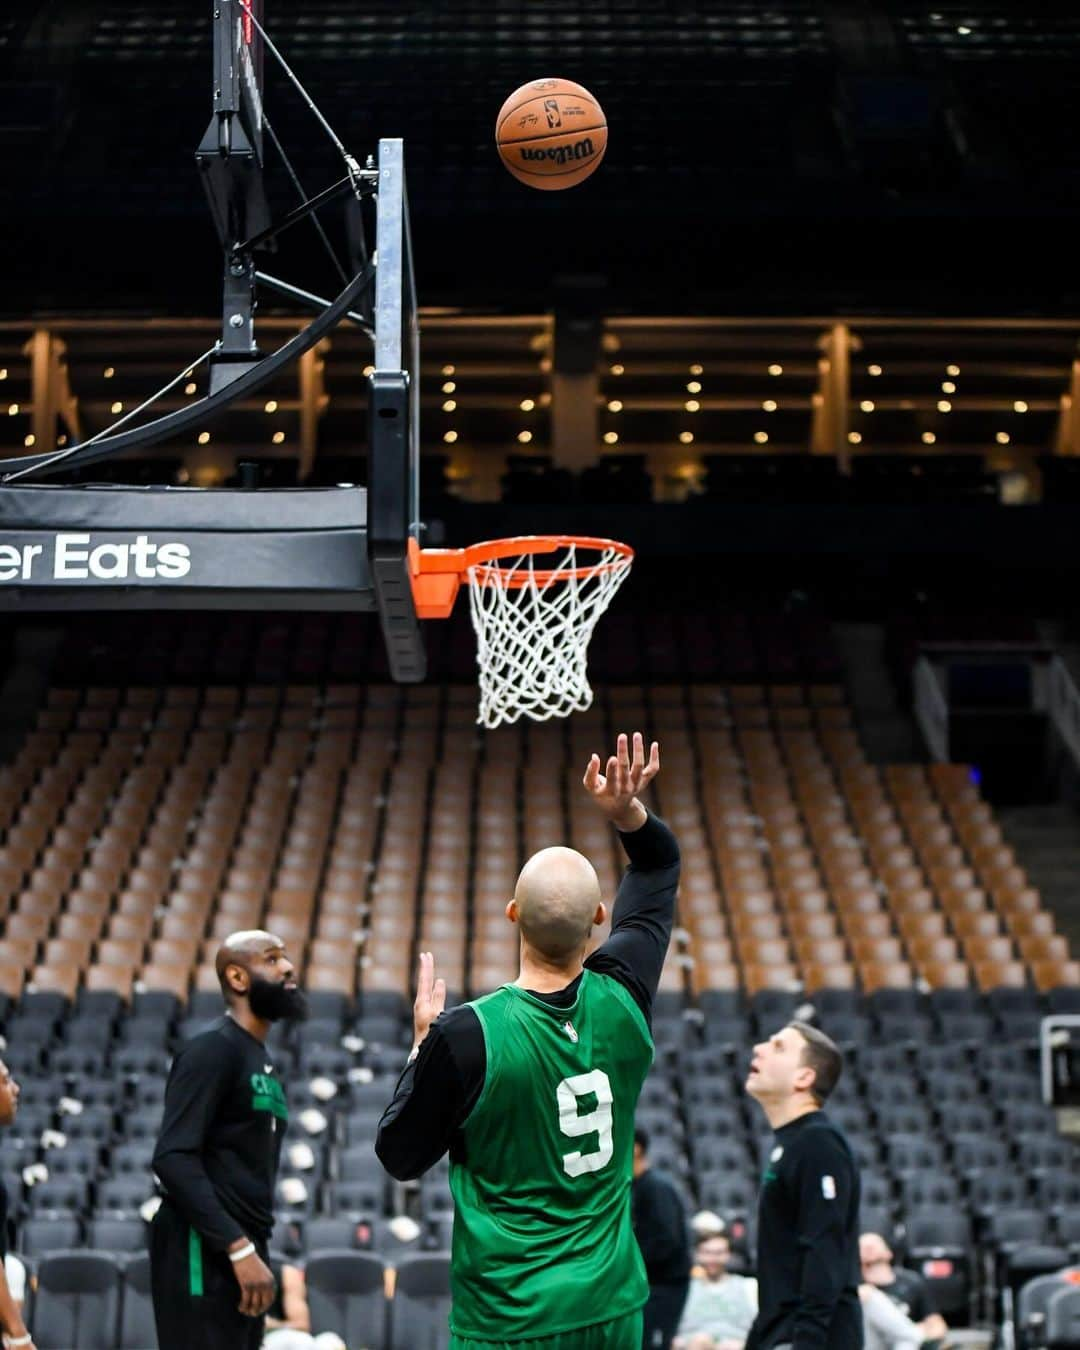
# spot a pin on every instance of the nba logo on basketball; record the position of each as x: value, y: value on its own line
x: 551, y: 108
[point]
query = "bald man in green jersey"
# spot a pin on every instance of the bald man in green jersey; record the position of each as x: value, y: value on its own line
x: 533, y: 1088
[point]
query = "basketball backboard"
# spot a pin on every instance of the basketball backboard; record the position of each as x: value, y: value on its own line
x: 230, y: 154
x: 340, y: 547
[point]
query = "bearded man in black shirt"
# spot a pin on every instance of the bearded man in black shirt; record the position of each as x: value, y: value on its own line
x: 217, y: 1159
x: 808, y: 1212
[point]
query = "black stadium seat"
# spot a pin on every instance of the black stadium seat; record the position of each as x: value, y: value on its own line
x: 77, y: 1302
x: 137, y: 1311
x: 49, y: 1232
x: 118, y: 1233
x: 345, y: 1295
x: 421, y: 1303
x: 993, y: 1191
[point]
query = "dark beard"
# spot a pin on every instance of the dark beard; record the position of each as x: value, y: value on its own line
x: 272, y: 1002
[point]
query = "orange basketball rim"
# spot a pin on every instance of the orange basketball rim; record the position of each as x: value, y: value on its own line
x: 437, y: 573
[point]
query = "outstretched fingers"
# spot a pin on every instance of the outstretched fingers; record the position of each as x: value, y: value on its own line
x: 593, y: 779
x: 426, y: 979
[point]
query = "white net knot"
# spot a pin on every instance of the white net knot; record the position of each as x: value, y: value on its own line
x: 533, y: 620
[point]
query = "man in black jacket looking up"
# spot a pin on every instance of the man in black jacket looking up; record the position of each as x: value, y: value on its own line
x: 217, y: 1159
x: 808, y: 1212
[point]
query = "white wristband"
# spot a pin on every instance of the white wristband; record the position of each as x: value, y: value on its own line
x: 18, y: 1340
x: 242, y: 1253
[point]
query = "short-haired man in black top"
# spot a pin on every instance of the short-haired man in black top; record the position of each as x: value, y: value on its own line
x: 808, y: 1213
x: 217, y: 1159
x: 663, y: 1234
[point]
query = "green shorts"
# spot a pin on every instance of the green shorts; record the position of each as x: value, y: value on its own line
x: 623, y: 1334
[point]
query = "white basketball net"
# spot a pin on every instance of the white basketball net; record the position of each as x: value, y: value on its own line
x: 533, y: 619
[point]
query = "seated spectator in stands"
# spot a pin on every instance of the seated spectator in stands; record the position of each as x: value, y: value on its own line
x: 288, y: 1319
x: 906, y: 1288
x: 721, y: 1307
x: 886, y: 1327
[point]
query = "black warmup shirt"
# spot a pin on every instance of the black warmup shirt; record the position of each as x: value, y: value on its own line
x: 5, y: 1237
x: 440, y: 1087
x: 221, y: 1134
x: 661, y: 1229
x: 808, y: 1241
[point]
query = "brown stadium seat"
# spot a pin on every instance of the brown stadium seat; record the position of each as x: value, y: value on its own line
x: 92, y: 903
x: 170, y: 979
x: 327, y: 952
x: 171, y: 927
x: 858, y: 903
x: 922, y: 925
x: 988, y: 949
x: 205, y: 980
x: 61, y: 951
x: 963, y: 900
x: 806, y: 903
x: 976, y: 924
x: 888, y: 975
x: 709, y: 952
x: 112, y: 979
x: 336, y: 979
x: 874, y: 927
x: 1000, y: 974
x: 946, y: 974
x: 1034, y: 923
x: 59, y: 979
x: 705, y: 923
x: 172, y: 951
x: 1043, y: 947
x: 715, y: 976
x: 12, y: 980
x: 17, y: 953
x: 224, y: 924
x: 875, y: 950
x: 290, y: 928
x: 1022, y: 900
x: 936, y: 951
x: 756, y: 927
x: 821, y: 951
x: 75, y: 924
x: 1056, y: 974
x: 765, y: 952
x: 119, y: 952
x: 337, y: 927
x: 33, y: 927
x: 775, y: 975
x: 836, y: 976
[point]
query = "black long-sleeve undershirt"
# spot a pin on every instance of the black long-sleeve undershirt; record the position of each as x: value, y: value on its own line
x: 439, y: 1088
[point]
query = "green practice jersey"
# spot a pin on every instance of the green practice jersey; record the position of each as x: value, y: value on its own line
x: 542, y: 1235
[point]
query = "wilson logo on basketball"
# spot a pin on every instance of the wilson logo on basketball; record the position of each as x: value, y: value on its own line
x: 560, y: 154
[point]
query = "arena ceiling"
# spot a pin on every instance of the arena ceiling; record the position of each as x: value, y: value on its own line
x: 782, y: 157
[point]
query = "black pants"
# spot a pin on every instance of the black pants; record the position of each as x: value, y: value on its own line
x: 195, y: 1292
x: 662, y: 1313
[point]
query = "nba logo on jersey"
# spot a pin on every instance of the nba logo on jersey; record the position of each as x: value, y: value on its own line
x: 568, y: 1027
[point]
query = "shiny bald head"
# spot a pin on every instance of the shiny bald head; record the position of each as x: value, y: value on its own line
x: 555, y: 902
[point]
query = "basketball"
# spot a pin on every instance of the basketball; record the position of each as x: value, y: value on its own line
x: 551, y: 134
